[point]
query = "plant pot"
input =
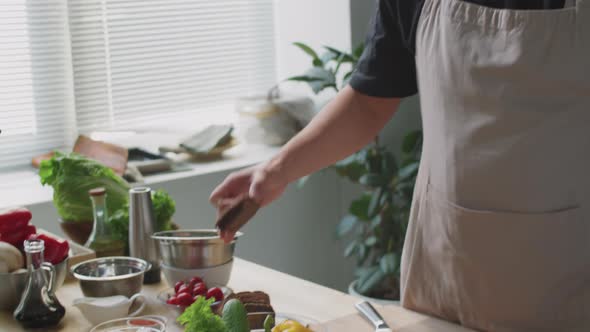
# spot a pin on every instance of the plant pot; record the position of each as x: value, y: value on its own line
x: 77, y: 231
x: 352, y: 291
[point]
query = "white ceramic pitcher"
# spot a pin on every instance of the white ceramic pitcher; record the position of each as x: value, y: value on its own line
x: 100, y: 309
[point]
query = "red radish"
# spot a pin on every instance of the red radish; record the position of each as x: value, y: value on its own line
x: 184, y: 289
x: 194, y: 281
x: 185, y: 299
x: 173, y: 300
x: 216, y: 293
x: 200, y: 289
x: 177, y: 286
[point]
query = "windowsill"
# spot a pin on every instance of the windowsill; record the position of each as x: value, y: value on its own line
x: 22, y: 187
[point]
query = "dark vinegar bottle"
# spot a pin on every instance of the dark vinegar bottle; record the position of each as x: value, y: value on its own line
x: 38, y: 305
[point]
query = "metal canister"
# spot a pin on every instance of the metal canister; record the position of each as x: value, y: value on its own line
x: 142, y: 224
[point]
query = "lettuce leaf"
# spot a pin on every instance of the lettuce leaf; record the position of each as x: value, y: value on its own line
x: 72, y: 176
x: 200, y: 318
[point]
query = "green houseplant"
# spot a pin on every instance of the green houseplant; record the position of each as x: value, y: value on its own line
x: 377, y: 220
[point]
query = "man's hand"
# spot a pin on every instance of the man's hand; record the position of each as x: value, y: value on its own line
x: 261, y: 183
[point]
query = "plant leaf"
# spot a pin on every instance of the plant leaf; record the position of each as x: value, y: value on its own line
x: 304, y: 78
x: 346, y: 161
x: 350, y: 167
x: 346, y: 225
x: 358, y: 51
x: 371, y: 241
x: 307, y: 49
x: 324, y: 79
x: 347, y: 77
x: 360, y: 207
x: 301, y: 182
x: 370, y: 279
x: 388, y: 164
x: 376, y: 221
x: 343, y: 55
x: 350, y: 249
x: 374, y: 207
x: 373, y: 180
x: 362, y: 253
x: 389, y: 263
x: 328, y: 56
x: 408, y: 171
x: 412, y: 141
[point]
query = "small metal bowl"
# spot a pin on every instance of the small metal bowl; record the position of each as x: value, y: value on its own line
x: 194, y: 249
x: 109, y: 276
x: 12, y: 285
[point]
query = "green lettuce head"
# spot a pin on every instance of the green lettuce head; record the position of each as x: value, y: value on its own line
x: 72, y: 176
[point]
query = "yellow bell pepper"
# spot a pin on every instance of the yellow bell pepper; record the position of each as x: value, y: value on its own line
x: 290, y: 326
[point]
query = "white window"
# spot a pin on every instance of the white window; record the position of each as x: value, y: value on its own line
x: 137, y: 60
x: 36, y: 106
x: 75, y: 66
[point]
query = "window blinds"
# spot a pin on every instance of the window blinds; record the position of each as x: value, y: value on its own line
x: 141, y: 60
x: 36, y: 98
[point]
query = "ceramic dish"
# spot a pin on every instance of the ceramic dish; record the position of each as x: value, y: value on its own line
x: 133, y: 324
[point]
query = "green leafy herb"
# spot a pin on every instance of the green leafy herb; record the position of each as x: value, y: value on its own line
x: 200, y: 318
x: 72, y: 176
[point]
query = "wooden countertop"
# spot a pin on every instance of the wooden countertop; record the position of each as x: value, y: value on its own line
x: 288, y: 294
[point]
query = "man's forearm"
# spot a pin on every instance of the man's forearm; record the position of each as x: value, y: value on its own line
x: 345, y: 125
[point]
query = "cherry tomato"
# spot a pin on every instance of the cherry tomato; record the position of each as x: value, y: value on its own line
x: 200, y: 289
x: 173, y: 300
x: 177, y: 286
x: 185, y: 299
x: 216, y: 293
x: 184, y: 289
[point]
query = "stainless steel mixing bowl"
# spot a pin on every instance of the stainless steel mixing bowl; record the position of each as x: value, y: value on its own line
x: 12, y: 285
x: 194, y: 249
x: 109, y: 276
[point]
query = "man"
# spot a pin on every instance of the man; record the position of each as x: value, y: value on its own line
x: 499, y: 236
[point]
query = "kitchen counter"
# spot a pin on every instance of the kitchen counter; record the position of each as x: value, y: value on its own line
x: 287, y: 293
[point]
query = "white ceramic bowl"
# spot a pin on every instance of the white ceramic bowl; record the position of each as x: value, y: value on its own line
x: 215, y: 275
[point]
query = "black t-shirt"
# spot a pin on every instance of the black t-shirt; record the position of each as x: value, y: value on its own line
x: 387, y: 67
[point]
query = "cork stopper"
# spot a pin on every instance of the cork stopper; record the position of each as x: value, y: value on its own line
x: 100, y: 191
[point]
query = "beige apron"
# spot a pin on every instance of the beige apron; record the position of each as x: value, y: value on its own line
x: 499, y: 236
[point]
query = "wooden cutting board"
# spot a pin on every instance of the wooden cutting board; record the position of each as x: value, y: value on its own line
x: 398, y: 318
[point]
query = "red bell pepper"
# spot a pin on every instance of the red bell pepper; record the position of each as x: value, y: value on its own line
x: 16, y: 238
x: 14, y: 219
x: 55, y: 250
